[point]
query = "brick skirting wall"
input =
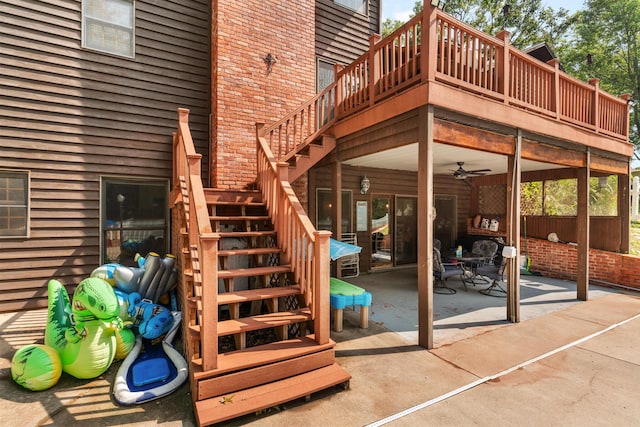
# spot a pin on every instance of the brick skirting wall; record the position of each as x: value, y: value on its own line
x: 560, y: 260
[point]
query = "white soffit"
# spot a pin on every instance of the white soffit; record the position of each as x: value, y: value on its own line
x: 445, y: 158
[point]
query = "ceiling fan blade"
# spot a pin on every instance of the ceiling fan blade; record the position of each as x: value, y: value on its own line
x: 479, y: 171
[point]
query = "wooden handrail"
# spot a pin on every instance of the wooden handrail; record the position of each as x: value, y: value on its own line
x: 306, y: 123
x: 296, y: 235
x: 187, y: 170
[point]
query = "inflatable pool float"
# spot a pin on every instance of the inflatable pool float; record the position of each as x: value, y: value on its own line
x: 151, y: 371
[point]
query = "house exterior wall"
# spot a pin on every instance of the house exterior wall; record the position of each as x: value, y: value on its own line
x: 385, y: 182
x: 70, y: 116
x: 342, y: 35
x: 244, y: 91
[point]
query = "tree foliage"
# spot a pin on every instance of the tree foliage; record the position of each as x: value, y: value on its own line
x: 528, y: 21
x: 609, y: 31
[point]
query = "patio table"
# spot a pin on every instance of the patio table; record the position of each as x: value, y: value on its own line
x: 470, y: 264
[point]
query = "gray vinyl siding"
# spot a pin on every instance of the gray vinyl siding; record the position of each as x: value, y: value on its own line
x: 71, y: 115
x: 342, y: 35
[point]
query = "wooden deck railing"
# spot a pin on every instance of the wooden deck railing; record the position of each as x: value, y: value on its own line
x: 306, y: 249
x: 459, y: 55
x: 301, y: 127
x: 203, y: 242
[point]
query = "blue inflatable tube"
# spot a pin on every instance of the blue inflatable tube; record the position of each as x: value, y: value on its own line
x: 154, y: 373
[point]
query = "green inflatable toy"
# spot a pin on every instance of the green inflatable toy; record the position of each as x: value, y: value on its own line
x: 84, y: 332
x: 36, y: 367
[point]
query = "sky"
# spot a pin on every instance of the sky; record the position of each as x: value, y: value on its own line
x: 401, y: 9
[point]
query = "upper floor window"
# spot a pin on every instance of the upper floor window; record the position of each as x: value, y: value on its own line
x: 325, y: 75
x: 108, y: 26
x: 357, y: 5
x: 14, y: 204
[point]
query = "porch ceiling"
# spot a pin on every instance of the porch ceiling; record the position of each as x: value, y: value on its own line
x: 445, y: 158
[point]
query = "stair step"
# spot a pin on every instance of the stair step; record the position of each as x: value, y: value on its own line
x: 224, y: 234
x: 255, y: 271
x: 247, y: 401
x: 239, y: 218
x: 263, y: 354
x: 265, y: 373
x: 257, y: 294
x: 233, y: 197
x: 263, y: 321
x: 248, y: 251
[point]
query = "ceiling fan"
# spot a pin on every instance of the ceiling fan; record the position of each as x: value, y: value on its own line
x: 461, y: 173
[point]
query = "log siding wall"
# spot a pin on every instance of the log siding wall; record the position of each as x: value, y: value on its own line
x: 71, y: 115
x: 386, y: 182
x: 342, y: 35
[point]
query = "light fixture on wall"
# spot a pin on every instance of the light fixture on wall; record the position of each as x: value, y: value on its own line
x: 270, y: 60
x: 603, y: 181
x: 364, y: 185
x: 438, y: 3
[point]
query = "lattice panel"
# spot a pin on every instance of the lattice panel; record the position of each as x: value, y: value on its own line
x: 492, y: 199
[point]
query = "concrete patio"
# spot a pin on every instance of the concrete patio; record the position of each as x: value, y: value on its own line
x: 566, y: 363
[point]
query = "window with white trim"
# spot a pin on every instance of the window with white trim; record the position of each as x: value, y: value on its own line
x: 108, y: 26
x: 357, y: 5
x: 14, y: 203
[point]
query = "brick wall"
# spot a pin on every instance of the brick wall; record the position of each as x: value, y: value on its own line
x: 243, y: 92
x: 560, y: 260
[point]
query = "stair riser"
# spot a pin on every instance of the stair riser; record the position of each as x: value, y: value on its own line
x: 263, y: 374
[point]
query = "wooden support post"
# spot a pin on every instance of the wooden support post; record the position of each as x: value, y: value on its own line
x: 208, y: 253
x: 425, y: 226
x: 595, y: 112
x: 336, y: 212
x: 513, y: 230
x: 583, y: 230
x: 624, y: 201
x: 374, y: 67
x: 321, y: 288
x: 429, y: 42
x: 503, y: 67
x: 555, y: 87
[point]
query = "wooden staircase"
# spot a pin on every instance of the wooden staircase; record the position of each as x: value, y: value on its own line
x: 253, y: 291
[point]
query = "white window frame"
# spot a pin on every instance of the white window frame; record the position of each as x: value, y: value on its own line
x: 363, y: 9
x: 27, y: 205
x: 109, y: 24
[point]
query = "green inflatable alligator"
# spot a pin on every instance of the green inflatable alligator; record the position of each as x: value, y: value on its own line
x: 87, y: 333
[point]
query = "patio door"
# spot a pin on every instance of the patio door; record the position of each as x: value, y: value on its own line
x: 381, y: 231
x: 406, y: 230
x: 445, y: 224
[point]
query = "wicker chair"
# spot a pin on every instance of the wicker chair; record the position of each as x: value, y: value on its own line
x: 441, y: 272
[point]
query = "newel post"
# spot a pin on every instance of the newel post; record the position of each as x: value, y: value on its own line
x: 208, y: 253
x: 504, y: 69
x: 555, y: 87
x: 429, y: 42
x: 321, y: 291
x: 626, y: 97
x: 374, y: 67
x: 595, y: 111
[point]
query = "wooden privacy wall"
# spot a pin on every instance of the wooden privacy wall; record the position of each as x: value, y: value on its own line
x: 71, y: 115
